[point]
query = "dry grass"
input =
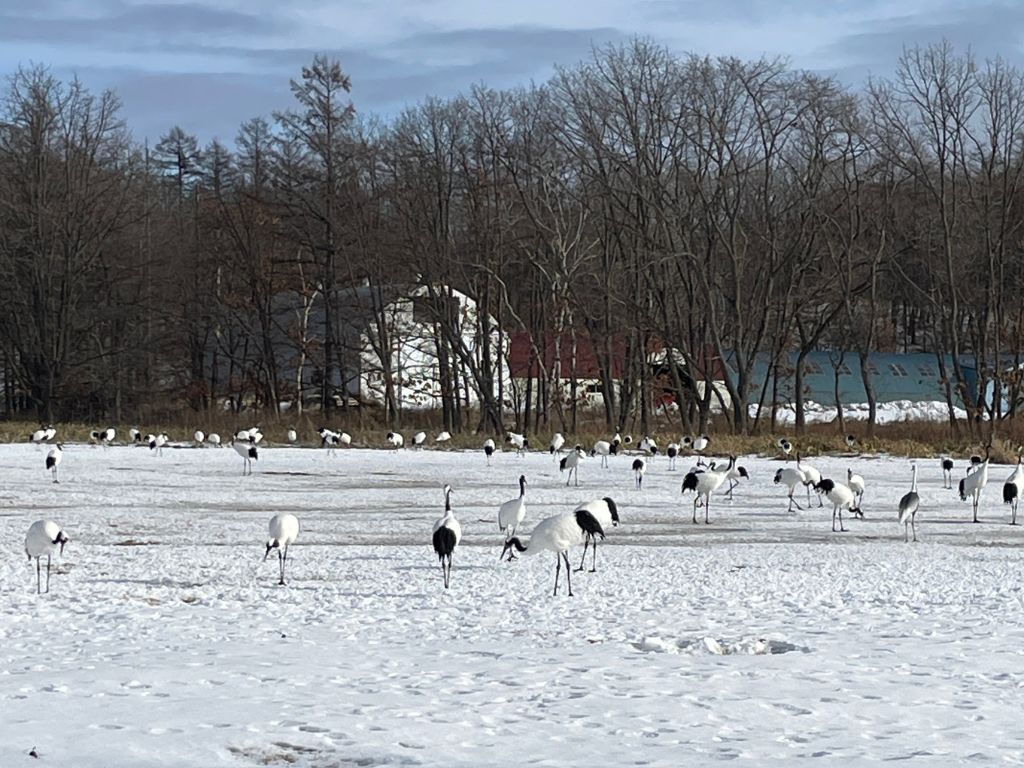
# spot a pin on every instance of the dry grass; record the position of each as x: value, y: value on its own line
x: 924, y: 439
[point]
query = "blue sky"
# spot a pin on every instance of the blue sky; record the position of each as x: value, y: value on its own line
x: 210, y: 64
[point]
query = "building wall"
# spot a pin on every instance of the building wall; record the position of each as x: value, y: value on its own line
x: 913, y: 376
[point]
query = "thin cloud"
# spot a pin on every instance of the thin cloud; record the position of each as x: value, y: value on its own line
x: 210, y: 64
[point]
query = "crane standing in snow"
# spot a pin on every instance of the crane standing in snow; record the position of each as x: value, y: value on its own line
x: 1012, y: 490
x: 909, y: 505
x: 559, y: 534
x: 53, y: 459
x: 521, y: 442
x: 947, y: 473
x: 639, y: 467
x: 975, y: 483
x: 571, y: 461
x: 249, y: 453
x: 555, y: 446
x: 791, y: 477
x: 513, y: 512
x: 841, y: 497
x: 447, y: 533
x: 43, y: 538
x: 284, y: 530
x: 704, y: 483
x: 606, y: 513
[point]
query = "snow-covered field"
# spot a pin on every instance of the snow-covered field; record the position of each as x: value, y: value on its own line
x: 762, y: 638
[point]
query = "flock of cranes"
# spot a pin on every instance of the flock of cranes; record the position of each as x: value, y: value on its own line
x: 585, y: 525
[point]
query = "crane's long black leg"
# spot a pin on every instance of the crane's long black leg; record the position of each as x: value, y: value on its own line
x: 558, y: 569
x: 695, y: 510
x: 976, y: 495
x: 707, y: 509
x: 593, y: 565
x: 912, y: 526
x: 39, y: 577
x: 568, y: 580
x: 586, y: 543
x: 47, y: 574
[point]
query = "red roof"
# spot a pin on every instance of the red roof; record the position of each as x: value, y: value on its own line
x: 523, y: 364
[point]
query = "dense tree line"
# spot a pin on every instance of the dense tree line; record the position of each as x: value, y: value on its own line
x: 714, y: 208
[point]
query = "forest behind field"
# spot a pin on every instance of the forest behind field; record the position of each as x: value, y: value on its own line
x: 713, y: 209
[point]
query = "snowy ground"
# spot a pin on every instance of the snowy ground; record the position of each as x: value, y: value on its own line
x: 166, y: 642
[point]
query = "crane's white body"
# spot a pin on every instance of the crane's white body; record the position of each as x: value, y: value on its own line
x: 157, y: 443
x: 199, y: 437
x: 734, y: 475
x: 419, y: 439
x: 603, y: 449
x: 973, y: 484
x: 292, y: 436
x: 213, y: 439
x: 555, y: 446
x: 649, y: 445
x: 488, y: 450
x: 513, y: 511
x: 705, y: 483
x: 443, y: 437
x: 606, y: 513
x: 1013, y: 488
x: 947, y: 472
x: 672, y: 451
x: 558, y: 534
x: 249, y: 453
x: 791, y: 477
x: 842, y: 498
x: 283, y: 530
x: 700, y: 443
x: 44, y: 538
x: 53, y: 459
x: 519, y: 441
x: 395, y: 440
x: 639, y: 468
x: 909, y: 505
x: 446, y: 537
x: 812, y: 477
x: 571, y: 462
x: 855, y: 483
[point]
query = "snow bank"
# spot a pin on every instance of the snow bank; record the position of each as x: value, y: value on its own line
x: 887, y: 413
